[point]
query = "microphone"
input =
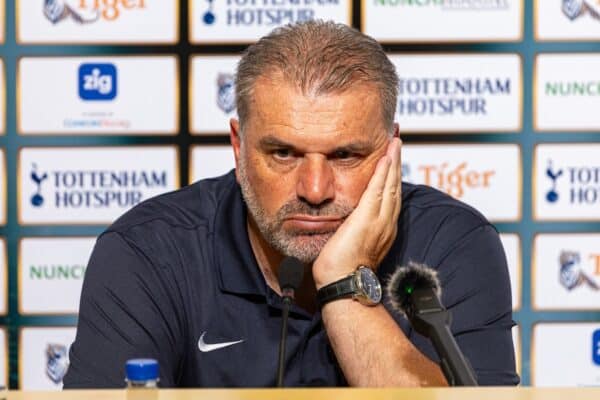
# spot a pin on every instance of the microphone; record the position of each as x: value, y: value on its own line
x: 291, y: 273
x: 415, y: 291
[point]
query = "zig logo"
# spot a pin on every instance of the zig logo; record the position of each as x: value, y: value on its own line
x: 97, y: 82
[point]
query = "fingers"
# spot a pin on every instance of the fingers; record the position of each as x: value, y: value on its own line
x: 368, y: 233
x: 373, y: 194
x: 398, y: 204
x: 392, y: 191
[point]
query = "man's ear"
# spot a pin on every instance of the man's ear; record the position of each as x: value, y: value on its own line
x: 396, y: 130
x: 236, y: 142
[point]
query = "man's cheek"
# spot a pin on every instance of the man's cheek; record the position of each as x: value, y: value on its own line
x: 263, y: 174
x: 351, y: 188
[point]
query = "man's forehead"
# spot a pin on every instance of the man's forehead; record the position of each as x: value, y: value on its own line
x: 280, y: 107
x: 273, y: 83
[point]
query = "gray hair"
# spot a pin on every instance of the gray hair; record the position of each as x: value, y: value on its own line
x: 319, y: 58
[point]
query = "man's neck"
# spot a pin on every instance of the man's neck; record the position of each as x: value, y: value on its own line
x: 269, y: 259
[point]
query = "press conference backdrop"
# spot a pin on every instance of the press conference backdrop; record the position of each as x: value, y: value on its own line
x: 106, y: 103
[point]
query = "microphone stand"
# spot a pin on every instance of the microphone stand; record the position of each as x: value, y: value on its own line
x: 288, y: 296
x: 429, y: 318
x: 291, y: 272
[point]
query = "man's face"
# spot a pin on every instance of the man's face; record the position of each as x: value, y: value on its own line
x: 303, y: 162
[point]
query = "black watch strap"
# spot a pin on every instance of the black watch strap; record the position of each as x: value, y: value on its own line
x: 343, y: 288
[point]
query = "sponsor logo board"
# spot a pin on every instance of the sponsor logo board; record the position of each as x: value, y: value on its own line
x: 462, y: 98
x: 567, y: 19
x: 459, y: 93
x: 108, y: 95
x: 485, y: 176
x: 3, y: 357
x: 565, y: 354
x: 512, y: 248
x: 566, y: 271
x: 44, y: 357
x: 212, y: 93
x: 2, y: 96
x: 97, y: 21
x: 210, y: 161
x: 91, y: 185
x: 245, y: 21
x: 3, y: 280
x: 2, y: 20
x: 567, y: 92
x: 463, y: 20
x: 567, y: 181
x: 2, y: 187
x: 51, y: 271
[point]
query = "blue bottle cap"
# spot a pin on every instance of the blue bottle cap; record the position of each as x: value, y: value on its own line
x: 141, y: 369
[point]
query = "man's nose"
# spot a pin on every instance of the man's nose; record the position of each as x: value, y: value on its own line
x: 315, y: 182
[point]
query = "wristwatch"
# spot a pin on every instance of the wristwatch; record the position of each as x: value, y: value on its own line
x: 361, y: 285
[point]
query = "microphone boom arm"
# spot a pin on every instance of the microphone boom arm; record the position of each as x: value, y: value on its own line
x: 433, y: 321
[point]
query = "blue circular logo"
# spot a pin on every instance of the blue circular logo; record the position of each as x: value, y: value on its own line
x: 552, y: 196
x: 37, y: 200
x: 209, y: 18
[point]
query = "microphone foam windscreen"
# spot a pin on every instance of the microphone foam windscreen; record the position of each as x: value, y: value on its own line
x: 407, y: 279
x: 291, y: 273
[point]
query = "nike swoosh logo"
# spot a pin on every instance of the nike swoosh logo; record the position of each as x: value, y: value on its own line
x: 205, y: 347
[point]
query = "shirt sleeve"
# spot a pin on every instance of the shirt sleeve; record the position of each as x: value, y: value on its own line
x: 126, y: 311
x: 476, y: 289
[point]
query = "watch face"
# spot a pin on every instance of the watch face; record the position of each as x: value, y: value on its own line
x: 370, y: 284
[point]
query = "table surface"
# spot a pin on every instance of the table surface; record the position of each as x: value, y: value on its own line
x: 503, y: 393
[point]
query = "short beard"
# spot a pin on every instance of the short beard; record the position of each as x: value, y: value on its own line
x: 302, y: 244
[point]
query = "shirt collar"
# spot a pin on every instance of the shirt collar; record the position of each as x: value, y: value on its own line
x: 239, y: 272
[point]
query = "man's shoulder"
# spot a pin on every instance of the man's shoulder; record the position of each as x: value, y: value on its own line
x: 433, y: 223
x: 190, y: 207
x: 429, y: 205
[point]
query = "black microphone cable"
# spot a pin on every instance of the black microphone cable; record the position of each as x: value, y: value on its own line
x: 291, y: 273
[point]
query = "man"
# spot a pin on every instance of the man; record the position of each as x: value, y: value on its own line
x: 190, y: 277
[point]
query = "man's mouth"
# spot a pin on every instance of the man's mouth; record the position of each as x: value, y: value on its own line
x: 313, y: 224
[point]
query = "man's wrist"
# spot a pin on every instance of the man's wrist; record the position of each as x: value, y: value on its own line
x: 322, y: 284
x: 361, y: 285
x: 322, y: 281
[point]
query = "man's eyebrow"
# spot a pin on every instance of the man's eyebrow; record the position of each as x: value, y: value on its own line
x: 353, y: 147
x: 272, y: 141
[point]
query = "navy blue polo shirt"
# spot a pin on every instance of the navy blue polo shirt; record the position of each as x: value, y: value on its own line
x: 175, y: 279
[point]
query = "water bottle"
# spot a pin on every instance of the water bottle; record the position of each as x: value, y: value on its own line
x: 141, y: 373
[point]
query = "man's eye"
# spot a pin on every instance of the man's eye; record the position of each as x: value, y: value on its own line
x: 343, y: 154
x: 282, y: 153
